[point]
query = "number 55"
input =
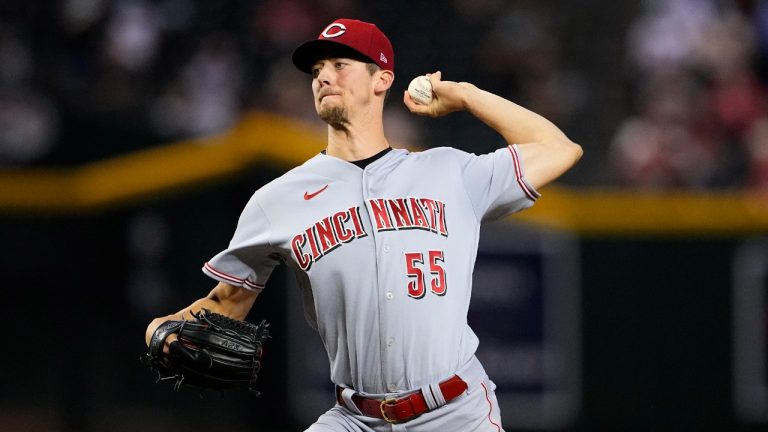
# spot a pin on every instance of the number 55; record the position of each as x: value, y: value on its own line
x: 417, y: 284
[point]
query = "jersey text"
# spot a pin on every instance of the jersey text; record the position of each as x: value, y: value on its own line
x: 326, y: 235
x: 408, y: 213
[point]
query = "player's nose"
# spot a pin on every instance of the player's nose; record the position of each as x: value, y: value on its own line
x: 324, y: 75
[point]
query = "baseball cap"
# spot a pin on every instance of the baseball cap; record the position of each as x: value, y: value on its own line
x: 347, y: 38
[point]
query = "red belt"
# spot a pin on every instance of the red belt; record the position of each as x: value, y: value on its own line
x: 405, y: 408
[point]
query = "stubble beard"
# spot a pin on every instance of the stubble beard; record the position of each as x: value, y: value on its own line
x: 336, y: 117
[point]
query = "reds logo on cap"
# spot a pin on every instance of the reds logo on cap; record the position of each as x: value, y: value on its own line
x: 339, y: 37
x: 334, y: 30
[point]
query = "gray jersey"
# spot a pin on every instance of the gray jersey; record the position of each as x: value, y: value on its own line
x: 384, y: 254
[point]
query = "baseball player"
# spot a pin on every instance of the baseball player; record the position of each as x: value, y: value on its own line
x: 383, y: 241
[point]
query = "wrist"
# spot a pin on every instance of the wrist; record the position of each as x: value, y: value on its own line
x: 468, y: 90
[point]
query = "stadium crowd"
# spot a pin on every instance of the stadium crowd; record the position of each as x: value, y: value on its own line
x: 85, y: 79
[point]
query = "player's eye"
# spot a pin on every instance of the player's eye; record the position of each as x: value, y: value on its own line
x: 339, y: 65
x: 315, y: 72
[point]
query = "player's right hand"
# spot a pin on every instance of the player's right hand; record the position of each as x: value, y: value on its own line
x: 447, y: 97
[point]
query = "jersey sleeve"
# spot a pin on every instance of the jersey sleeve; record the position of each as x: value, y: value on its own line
x: 249, y: 260
x: 496, y: 184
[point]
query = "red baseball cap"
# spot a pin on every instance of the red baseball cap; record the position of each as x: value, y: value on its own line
x: 347, y: 38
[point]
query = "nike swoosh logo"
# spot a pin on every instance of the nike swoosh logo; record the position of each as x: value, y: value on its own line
x: 309, y: 196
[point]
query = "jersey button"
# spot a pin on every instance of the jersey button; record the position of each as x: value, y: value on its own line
x: 386, y: 248
x: 390, y: 296
x: 392, y: 387
x: 390, y: 342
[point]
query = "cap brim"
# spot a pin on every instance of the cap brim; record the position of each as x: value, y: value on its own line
x: 305, y: 56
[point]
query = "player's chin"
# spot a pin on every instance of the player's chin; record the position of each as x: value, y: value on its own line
x: 330, y: 109
x: 335, y: 116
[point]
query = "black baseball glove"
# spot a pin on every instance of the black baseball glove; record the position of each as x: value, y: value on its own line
x: 211, y: 352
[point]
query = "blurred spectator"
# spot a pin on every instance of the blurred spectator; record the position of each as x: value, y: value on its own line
x: 285, y: 23
x: 288, y: 92
x: 80, y: 15
x: 669, y: 34
x: 133, y: 35
x: 28, y: 120
x: 28, y: 127
x: 698, y: 97
x: 520, y: 57
x: 757, y: 146
x: 667, y: 143
x: 205, y: 97
x: 727, y: 59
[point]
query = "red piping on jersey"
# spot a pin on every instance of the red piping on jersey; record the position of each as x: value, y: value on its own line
x: 519, y: 174
x: 490, y: 407
x: 231, y: 278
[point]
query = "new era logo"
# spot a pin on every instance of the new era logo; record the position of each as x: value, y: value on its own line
x: 383, y: 58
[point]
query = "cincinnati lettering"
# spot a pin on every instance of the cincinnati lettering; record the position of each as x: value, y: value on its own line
x: 408, y: 213
x: 329, y: 233
x: 326, y: 235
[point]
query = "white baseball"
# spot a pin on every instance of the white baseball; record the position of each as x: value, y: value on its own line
x: 420, y: 90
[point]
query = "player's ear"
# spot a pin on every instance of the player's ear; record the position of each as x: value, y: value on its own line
x: 383, y: 80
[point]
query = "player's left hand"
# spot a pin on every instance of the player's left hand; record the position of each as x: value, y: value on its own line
x: 447, y: 97
x: 212, y: 351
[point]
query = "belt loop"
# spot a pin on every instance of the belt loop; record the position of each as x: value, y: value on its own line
x: 437, y: 392
x: 346, y: 396
x: 428, y: 398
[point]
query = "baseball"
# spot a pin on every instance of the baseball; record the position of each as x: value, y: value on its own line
x: 420, y: 90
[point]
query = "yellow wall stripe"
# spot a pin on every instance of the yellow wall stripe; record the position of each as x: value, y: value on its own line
x: 613, y: 211
x: 159, y: 170
x: 262, y: 137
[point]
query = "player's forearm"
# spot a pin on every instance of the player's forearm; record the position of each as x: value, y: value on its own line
x: 225, y: 299
x: 515, y: 123
x: 229, y: 300
x: 546, y: 151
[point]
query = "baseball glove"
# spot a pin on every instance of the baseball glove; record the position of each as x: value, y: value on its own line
x: 211, y: 352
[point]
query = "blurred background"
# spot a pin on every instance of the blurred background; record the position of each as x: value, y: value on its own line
x: 133, y: 132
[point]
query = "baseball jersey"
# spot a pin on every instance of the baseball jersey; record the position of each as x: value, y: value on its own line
x: 384, y: 256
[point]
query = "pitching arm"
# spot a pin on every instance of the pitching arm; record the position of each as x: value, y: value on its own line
x: 545, y: 150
